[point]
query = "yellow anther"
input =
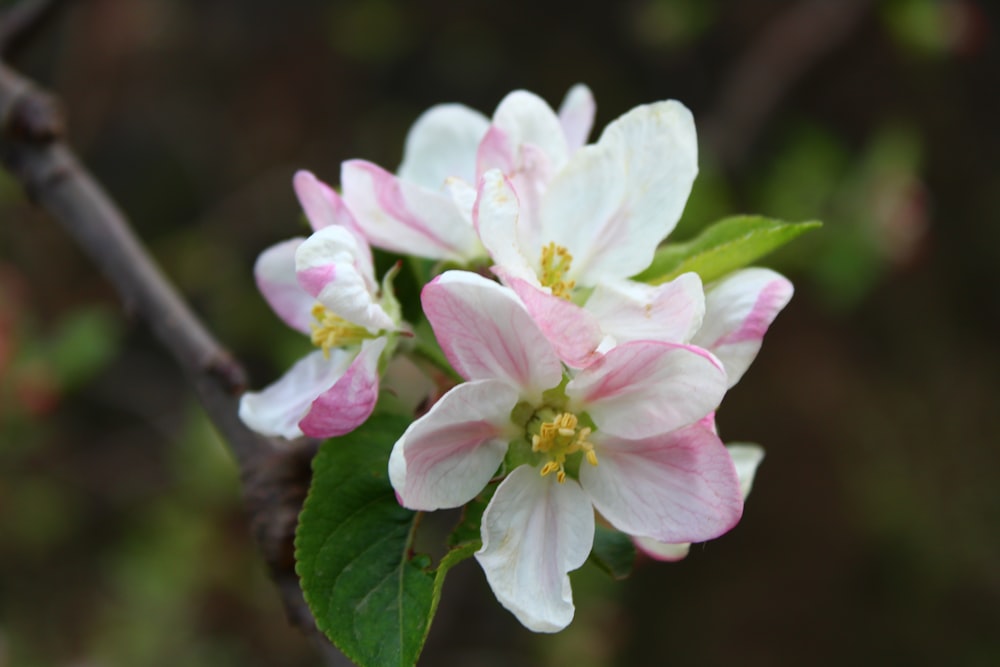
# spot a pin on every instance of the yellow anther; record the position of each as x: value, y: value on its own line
x: 334, y: 331
x: 560, y: 438
x: 556, y: 261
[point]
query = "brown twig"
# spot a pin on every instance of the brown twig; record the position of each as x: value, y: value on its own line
x: 275, y: 475
x: 786, y: 50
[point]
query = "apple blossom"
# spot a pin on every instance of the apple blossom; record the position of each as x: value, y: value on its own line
x: 621, y: 435
x: 574, y: 232
x: 324, y: 287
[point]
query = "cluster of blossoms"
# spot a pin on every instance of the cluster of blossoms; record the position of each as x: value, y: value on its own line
x: 584, y: 390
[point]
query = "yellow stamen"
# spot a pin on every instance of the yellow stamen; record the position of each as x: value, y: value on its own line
x: 556, y: 261
x: 334, y: 331
x: 560, y: 438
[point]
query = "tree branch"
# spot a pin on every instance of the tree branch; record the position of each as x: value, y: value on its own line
x: 275, y: 475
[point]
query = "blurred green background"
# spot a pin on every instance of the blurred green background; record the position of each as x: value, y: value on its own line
x: 873, y: 532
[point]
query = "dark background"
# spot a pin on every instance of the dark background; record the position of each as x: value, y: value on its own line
x: 873, y: 532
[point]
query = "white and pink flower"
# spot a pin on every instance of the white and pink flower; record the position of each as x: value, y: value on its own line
x: 324, y: 287
x: 621, y: 435
x: 568, y: 239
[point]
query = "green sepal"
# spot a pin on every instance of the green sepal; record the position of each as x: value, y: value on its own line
x: 613, y: 552
x: 727, y: 245
x: 369, y: 595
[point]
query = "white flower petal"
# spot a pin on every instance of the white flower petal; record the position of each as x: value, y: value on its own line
x: 274, y: 273
x: 525, y: 118
x: 660, y: 151
x: 450, y: 453
x: 677, y: 487
x: 535, y: 531
x: 646, y: 388
x: 576, y: 115
x: 669, y: 312
x: 442, y: 143
x: 746, y: 457
x: 739, y: 308
x: 327, y: 267
x: 496, y: 215
x: 277, y: 410
x: 486, y: 333
x: 664, y: 551
x: 581, y: 212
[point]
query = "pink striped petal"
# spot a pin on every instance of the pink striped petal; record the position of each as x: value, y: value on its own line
x: 348, y: 403
x: 442, y: 144
x: 278, y: 409
x: 669, y: 312
x: 445, y: 458
x: 573, y: 331
x: 535, y: 531
x: 746, y: 458
x: 405, y: 217
x: 643, y: 389
x: 677, y: 487
x: 576, y: 115
x: 486, y: 333
x: 274, y: 273
x: 321, y: 203
x: 738, y: 311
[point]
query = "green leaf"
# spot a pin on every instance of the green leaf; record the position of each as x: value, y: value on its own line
x: 368, y: 593
x: 725, y: 246
x: 613, y: 552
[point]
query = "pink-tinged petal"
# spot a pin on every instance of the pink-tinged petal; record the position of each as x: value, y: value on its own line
x: 573, y: 331
x: 738, y: 311
x: 495, y: 152
x: 496, y: 216
x: 405, y: 217
x: 348, y: 403
x: 677, y: 487
x: 669, y: 312
x: 278, y: 409
x: 579, y: 210
x: 321, y: 203
x: 274, y: 273
x: 659, y: 149
x: 576, y: 115
x: 746, y: 457
x: 326, y: 267
x: 535, y: 531
x: 663, y: 551
x: 486, y: 333
x: 525, y: 118
x: 450, y: 453
x: 646, y: 388
x: 442, y: 143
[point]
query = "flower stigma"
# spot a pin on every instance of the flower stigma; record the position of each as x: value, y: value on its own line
x: 560, y: 438
x: 334, y: 331
x: 556, y: 261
